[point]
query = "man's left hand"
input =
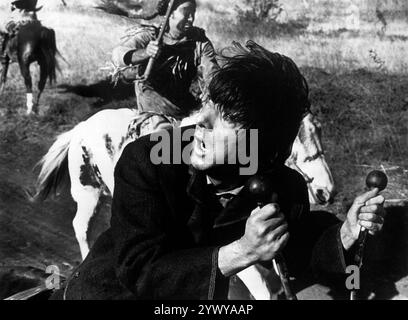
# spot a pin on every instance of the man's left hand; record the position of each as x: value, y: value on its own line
x: 368, y: 212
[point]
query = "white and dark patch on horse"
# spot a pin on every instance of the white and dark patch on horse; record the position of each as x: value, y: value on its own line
x: 109, y: 145
x: 90, y: 174
x: 123, y: 140
x: 309, y: 136
x: 302, y: 135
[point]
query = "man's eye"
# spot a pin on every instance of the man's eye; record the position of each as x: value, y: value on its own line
x: 208, y: 126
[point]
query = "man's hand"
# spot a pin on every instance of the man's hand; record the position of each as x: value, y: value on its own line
x: 153, y: 49
x: 367, y: 211
x: 266, y: 234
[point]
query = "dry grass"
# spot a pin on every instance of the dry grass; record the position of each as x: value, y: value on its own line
x: 325, y: 44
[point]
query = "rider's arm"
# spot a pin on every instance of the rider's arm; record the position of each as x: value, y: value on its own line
x: 133, y: 50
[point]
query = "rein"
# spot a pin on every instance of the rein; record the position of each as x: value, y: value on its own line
x: 308, y: 179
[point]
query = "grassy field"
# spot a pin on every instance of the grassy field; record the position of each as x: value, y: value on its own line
x: 358, y: 88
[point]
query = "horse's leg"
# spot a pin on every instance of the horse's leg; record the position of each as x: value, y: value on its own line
x: 87, y: 198
x: 41, y: 83
x: 5, y: 65
x: 25, y: 72
x: 85, y: 193
x: 107, y: 174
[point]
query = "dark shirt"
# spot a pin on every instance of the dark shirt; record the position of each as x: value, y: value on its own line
x: 179, y: 64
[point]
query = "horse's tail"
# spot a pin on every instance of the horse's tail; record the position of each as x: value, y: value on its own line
x: 54, y: 166
x: 49, y: 49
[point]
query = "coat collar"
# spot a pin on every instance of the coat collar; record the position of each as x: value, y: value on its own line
x: 238, y: 209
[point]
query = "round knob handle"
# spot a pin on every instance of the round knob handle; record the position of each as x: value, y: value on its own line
x: 260, y: 189
x: 376, y: 179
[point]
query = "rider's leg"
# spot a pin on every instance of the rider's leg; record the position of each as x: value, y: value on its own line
x: 153, y: 124
x: 150, y: 100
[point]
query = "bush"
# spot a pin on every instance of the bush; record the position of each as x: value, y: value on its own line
x: 259, y: 10
x: 260, y: 18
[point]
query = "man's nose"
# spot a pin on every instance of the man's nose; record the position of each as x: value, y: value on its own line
x: 201, y: 120
x: 204, y: 116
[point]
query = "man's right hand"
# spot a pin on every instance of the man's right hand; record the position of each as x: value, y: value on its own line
x: 153, y: 49
x: 266, y: 233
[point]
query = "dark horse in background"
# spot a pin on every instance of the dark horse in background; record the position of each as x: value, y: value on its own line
x: 32, y: 43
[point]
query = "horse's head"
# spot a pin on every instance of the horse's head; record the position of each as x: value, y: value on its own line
x: 308, y: 159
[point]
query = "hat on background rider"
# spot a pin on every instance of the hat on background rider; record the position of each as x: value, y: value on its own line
x: 27, y: 5
x: 186, y: 53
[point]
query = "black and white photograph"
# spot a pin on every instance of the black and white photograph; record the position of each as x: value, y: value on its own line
x: 203, y: 150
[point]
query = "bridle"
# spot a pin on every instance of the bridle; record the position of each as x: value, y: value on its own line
x: 292, y: 162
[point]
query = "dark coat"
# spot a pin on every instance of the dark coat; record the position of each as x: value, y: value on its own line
x: 167, y: 227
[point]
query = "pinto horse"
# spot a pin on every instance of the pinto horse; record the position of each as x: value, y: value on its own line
x: 32, y: 43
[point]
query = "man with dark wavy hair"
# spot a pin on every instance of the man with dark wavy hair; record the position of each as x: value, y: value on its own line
x: 182, y: 231
x: 185, y: 55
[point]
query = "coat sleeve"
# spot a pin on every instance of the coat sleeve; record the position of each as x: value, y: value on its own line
x: 314, y: 245
x: 151, y: 260
x: 317, y: 240
x: 122, y: 54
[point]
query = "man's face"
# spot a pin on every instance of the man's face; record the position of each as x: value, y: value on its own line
x: 182, y: 19
x: 215, y: 139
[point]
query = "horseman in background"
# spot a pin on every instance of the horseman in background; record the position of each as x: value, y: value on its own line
x: 185, y: 55
x: 22, y: 12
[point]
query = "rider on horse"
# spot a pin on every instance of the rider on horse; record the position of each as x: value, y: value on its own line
x: 185, y: 55
x: 22, y: 11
